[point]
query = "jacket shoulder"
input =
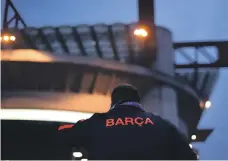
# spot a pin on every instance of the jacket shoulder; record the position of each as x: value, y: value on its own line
x: 70, y: 126
x: 156, y: 118
x: 85, y: 122
x: 161, y: 122
x: 170, y: 127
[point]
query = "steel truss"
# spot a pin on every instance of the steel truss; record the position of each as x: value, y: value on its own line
x: 215, y: 59
x: 12, y: 22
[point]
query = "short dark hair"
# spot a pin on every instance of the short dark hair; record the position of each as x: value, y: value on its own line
x: 125, y: 93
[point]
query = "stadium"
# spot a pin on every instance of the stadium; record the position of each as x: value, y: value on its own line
x: 57, y: 75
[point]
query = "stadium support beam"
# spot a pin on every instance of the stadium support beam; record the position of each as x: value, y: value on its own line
x: 129, y: 45
x: 212, y: 65
x: 96, y: 40
x: 8, y: 21
x: 146, y: 19
x: 45, y: 40
x: 113, y: 44
x: 61, y: 40
x: 214, y: 60
x: 146, y: 10
x: 78, y: 40
x: 201, y: 135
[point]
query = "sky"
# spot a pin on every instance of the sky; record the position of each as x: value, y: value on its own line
x: 189, y: 20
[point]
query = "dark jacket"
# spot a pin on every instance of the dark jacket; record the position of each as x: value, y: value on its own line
x: 127, y: 133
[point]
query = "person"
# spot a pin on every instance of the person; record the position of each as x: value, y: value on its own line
x: 127, y: 132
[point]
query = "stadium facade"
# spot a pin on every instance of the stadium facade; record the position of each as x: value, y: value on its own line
x: 75, y: 68
x: 88, y: 84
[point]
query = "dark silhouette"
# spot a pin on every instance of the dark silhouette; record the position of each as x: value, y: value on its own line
x: 127, y: 132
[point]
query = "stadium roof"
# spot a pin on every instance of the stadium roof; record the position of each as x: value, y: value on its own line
x: 104, y: 41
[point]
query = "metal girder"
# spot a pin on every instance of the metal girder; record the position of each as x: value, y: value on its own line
x: 45, y: 40
x: 96, y: 41
x: 198, y: 44
x: 77, y: 39
x: 129, y: 45
x: 206, y: 54
x: 202, y: 135
x: 28, y: 41
x: 113, y: 44
x: 211, y: 65
x: 184, y: 54
x: 7, y: 21
x: 215, y: 60
x: 61, y: 40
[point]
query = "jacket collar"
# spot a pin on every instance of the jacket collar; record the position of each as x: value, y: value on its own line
x: 128, y: 103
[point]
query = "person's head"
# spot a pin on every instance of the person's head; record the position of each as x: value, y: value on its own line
x: 124, y: 93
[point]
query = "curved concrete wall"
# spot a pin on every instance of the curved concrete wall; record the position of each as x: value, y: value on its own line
x: 80, y: 102
x: 27, y: 55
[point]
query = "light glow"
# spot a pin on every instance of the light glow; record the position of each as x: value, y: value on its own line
x: 84, y: 159
x: 12, y: 38
x: 7, y: 38
x: 207, y: 104
x: 140, y: 32
x: 77, y: 154
x: 193, y: 137
x: 43, y: 115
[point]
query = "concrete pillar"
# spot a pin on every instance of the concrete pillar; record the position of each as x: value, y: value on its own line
x: 162, y: 100
x: 165, y: 53
x: 151, y: 102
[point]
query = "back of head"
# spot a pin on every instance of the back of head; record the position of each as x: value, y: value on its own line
x: 124, y: 93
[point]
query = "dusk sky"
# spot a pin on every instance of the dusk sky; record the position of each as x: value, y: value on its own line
x: 189, y: 20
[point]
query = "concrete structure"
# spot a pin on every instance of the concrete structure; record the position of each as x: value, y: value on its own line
x: 165, y: 104
x: 56, y: 71
x: 163, y: 98
x: 68, y: 70
x: 84, y: 73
